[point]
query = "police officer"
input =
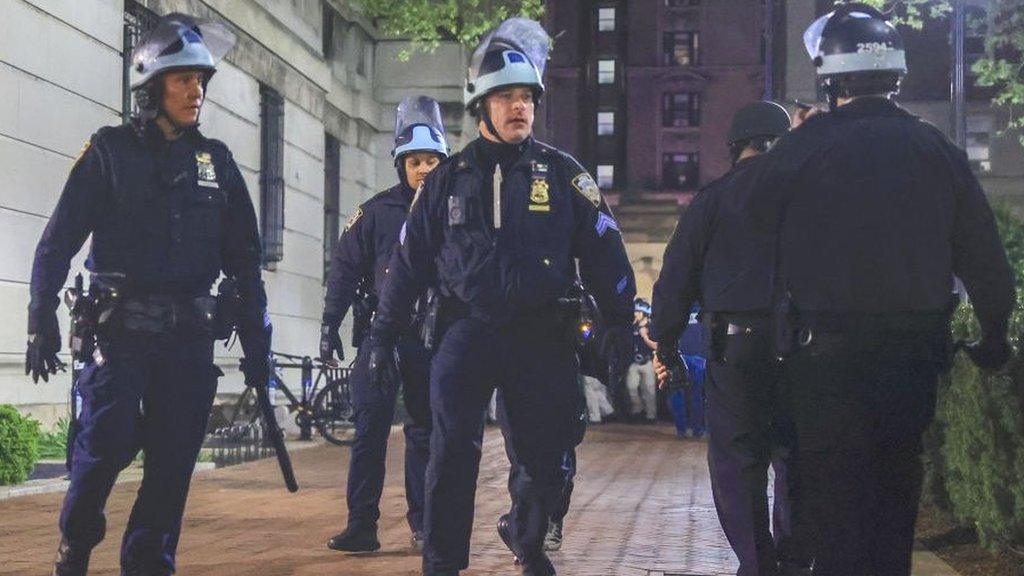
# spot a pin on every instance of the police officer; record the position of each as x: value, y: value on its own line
x: 501, y: 225
x: 640, y: 384
x: 361, y: 259
x: 168, y: 212
x: 876, y: 212
x: 715, y: 257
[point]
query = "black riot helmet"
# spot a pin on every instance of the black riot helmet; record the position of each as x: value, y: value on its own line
x: 856, y: 52
x: 758, y: 125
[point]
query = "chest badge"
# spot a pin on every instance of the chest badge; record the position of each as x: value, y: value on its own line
x: 206, y: 173
x: 540, y: 199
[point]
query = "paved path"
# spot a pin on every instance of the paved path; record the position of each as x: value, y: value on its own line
x: 642, y: 507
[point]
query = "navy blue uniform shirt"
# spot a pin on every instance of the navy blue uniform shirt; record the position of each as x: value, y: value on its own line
x: 551, y: 215
x: 169, y: 215
x: 364, y: 249
x: 878, y: 211
x: 715, y: 256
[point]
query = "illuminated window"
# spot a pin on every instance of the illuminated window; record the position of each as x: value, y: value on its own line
x: 605, y: 123
x: 605, y: 176
x: 606, y: 19
x: 680, y: 48
x: 606, y: 71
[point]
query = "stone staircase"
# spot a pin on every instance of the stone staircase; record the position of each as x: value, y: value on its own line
x: 647, y: 217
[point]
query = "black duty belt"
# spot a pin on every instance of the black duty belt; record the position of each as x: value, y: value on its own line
x: 903, y: 322
x: 156, y: 314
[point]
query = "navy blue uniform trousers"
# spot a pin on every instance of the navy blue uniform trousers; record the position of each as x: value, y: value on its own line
x: 861, y: 407
x: 532, y: 360
x: 374, y: 413
x: 151, y: 393
x: 749, y: 430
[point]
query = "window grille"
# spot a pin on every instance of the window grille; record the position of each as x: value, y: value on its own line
x: 332, y: 198
x: 137, y: 21
x: 271, y: 174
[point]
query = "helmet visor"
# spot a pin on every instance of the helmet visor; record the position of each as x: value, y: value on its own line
x: 174, y: 31
x: 812, y: 36
x: 415, y: 110
x: 519, y: 34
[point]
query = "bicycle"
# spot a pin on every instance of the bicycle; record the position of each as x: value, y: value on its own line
x: 324, y: 403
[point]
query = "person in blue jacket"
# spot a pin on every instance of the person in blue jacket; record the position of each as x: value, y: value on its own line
x: 361, y: 259
x: 502, y: 228
x: 688, y: 403
x: 168, y: 212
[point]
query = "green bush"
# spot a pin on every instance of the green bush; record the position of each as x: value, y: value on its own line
x: 53, y: 444
x: 975, y: 451
x: 19, y: 439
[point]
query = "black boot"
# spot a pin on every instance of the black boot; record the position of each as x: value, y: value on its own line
x: 539, y: 566
x: 505, y: 532
x: 70, y: 561
x: 355, y: 540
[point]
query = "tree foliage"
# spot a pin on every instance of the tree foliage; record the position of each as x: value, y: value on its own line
x: 428, y: 22
x: 1002, y: 68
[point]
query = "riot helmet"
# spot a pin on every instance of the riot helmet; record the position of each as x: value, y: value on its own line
x: 513, y: 54
x: 418, y: 128
x: 179, y: 42
x: 856, y: 44
x: 758, y: 125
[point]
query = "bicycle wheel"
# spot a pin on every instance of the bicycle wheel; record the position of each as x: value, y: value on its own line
x: 333, y: 414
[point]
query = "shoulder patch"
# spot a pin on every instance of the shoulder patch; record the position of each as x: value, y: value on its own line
x: 355, y: 218
x: 584, y: 184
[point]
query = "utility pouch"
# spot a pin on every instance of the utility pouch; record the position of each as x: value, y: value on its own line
x: 201, y: 319
x: 362, y: 317
x: 785, y: 326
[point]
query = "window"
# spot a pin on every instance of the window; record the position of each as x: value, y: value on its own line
x: 271, y: 174
x: 680, y: 109
x: 979, y: 134
x: 605, y: 176
x: 606, y: 71
x: 680, y: 171
x: 680, y: 48
x: 681, y: 3
x: 605, y: 123
x: 137, y: 21
x: 332, y: 198
x: 606, y: 19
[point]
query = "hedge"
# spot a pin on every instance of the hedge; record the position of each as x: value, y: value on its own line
x: 19, y: 445
x: 975, y: 449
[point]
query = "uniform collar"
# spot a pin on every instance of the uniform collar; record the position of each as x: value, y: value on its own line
x: 871, y: 106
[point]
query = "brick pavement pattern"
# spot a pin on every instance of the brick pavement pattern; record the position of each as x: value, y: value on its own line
x: 642, y: 506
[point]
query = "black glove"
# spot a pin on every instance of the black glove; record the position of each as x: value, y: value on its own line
x: 43, y: 345
x: 990, y: 353
x: 330, y: 342
x: 256, y: 370
x: 617, y: 350
x: 383, y: 364
x: 679, y: 374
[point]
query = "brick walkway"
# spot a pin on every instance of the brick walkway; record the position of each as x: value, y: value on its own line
x: 642, y: 507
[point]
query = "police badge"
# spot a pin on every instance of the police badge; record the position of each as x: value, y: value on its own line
x: 539, y: 198
x: 205, y: 172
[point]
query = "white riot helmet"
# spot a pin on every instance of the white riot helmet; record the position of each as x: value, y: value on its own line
x: 179, y: 42
x: 513, y: 54
x: 419, y: 128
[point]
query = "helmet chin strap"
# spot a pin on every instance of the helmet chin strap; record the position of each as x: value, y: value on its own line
x: 485, y: 114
